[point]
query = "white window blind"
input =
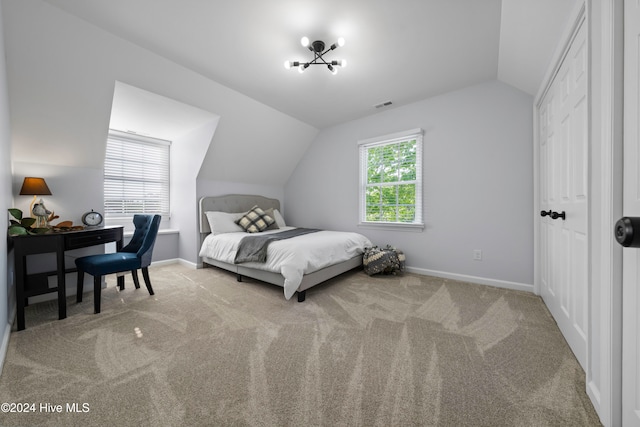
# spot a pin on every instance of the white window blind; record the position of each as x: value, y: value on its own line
x: 136, y: 175
x: 391, y: 179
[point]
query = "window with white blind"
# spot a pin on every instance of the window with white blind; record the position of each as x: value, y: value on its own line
x: 391, y: 180
x: 136, y: 175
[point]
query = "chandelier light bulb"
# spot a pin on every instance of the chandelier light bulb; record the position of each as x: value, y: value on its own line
x: 334, y: 70
x: 304, y: 41
x: 287, y: 65
x: 343, y: 63
x: 301, y: 68
x: 341, y: 41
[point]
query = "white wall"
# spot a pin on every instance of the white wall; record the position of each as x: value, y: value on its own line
x: 478, y: 184
x: 185, y: 164
x: 5, y: 200
x: 62, y: 72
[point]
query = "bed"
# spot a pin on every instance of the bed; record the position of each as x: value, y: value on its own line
x: 295, y: 264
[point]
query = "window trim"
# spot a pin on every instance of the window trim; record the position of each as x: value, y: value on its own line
x: 364, y: 144
x: 141, y: 139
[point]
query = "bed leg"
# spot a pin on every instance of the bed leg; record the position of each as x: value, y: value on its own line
x: 301, y: 296
x: 239, y: 277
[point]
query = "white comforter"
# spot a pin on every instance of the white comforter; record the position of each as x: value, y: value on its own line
x: 294, y: 257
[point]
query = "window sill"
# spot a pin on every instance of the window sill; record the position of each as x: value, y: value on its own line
x: 160, y: 232
x: 394, y: 226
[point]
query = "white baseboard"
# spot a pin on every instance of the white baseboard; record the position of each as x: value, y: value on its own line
x: 180, y: 261
x: 473, y: 279
x: 186, y: 263
x: 164, y: 262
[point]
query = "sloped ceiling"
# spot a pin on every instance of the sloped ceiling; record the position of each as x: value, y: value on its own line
x: 529, y: 34
x: 402, y: 51
x: 226, y: 58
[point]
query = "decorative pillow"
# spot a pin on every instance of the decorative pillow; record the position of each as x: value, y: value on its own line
x: 223, y: 222
x: 279, y: 219
x: 255, y: 220
x: 388, y: 260
x: 271, y: 212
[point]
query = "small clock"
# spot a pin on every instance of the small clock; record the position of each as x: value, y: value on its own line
x: 92, y: 218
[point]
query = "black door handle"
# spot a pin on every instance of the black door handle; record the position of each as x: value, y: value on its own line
x: 627, y: 232
x: 553, y: 215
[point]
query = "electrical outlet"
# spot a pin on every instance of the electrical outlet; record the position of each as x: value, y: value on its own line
x: 477, y: 255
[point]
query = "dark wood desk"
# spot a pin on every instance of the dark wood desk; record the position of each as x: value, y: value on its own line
x: 30, y: 285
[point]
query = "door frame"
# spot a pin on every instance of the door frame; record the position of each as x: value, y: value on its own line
x: 604, y: 374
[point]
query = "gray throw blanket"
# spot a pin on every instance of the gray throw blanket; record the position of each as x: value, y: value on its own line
x: 254, y: 248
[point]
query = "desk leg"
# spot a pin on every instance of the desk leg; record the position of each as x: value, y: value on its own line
x: 20, y: 270
x: 62, y: 286
x: 120, y: 279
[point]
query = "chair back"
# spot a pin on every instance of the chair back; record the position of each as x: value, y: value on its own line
x: 144, y: 237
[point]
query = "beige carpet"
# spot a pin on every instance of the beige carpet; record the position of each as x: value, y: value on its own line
x: 360, y: 351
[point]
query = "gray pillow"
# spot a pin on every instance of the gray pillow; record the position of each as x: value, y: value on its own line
x: 255, y: 221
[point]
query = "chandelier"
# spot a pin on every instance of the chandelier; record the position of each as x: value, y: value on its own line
x: 318, y: 49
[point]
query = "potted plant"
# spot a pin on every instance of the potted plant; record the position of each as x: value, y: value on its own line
x: 19, y: 226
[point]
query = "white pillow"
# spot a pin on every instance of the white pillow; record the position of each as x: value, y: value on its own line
x: 279, y: 219
x: 224, y: 222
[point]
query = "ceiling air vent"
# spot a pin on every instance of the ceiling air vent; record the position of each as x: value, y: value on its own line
x: 383, y: 104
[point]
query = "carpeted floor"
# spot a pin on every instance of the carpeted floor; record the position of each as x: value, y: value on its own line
x: 362, y: 351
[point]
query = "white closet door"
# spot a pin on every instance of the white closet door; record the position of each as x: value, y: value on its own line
x: 563, y: 183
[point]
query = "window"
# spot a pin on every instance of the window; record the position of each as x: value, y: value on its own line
x: 136, y: 175
x: 391, y: 180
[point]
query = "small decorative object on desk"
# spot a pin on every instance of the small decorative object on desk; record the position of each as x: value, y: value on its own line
x: 388, y: 260
x: 42, y: 214
x: 92, y: 218
x: 66, y: 226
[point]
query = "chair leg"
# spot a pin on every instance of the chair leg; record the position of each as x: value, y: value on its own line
x: 136, y: 282
x: 121, y: 282
x: 147, y: 281
x: 97, y: 289
x: 80, y: 286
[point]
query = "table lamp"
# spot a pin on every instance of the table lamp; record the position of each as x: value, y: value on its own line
x: 34, y: 187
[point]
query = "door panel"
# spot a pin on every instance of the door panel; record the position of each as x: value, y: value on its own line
x: 563, y: 130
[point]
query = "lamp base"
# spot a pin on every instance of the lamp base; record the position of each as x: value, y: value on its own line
x: 41, y: 222
x: 31, y: 214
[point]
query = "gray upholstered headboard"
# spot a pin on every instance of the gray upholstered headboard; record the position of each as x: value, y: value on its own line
x: 231, y: 203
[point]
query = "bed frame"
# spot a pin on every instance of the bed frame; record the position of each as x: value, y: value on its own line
x: 242, y: 203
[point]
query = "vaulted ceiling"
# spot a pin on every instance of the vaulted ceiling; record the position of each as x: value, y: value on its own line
x: 400, y: 51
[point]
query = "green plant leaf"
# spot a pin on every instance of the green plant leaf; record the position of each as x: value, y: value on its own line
x: 39, y: 230
x: 27, y: 222
x: 16, y: 213
x: 16, y: 230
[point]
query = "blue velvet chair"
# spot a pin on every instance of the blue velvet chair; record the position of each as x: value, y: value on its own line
x: 136, y: 255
